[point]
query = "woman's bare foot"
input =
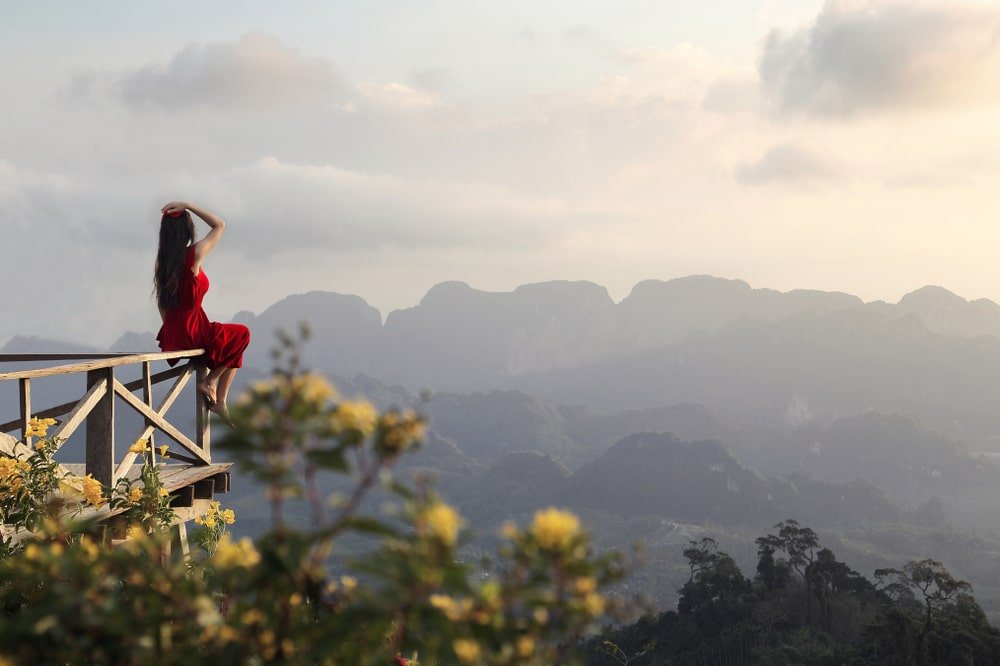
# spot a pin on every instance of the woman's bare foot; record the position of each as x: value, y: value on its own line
x: 222, y: 410
x: 208, y: 390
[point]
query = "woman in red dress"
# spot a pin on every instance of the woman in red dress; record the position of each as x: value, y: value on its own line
x: 180, y: 286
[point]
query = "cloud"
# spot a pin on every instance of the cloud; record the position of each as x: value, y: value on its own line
x: 256, y: 71
x: 434, y: 79
x: 277, y: 206
x: 786, y: 163
x: 862, y: 56
x: 583, y: 35
x: 343, y: 211
x: 397, y: 96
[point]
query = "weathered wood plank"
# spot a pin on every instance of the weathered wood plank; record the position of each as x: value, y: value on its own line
x: 182, y: 538
x: 221, y: 482
x: 147, y: 393
x: 172, y: 475
x: 204, y: 489
x: 99, y: 364
x: 183, y: 475
x: 82, y: 408
x: 59, y: 410
x: 30, y: 358
x: 183, y: 496
x: 203, y: 421
x: 184, y: 373
x: 161, y: 424
x: 100, y: 458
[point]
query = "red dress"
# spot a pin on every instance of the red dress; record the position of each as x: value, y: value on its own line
x: 187, y: 326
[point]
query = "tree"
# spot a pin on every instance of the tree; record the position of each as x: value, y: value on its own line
x: 799, y: 545
x: 928, y: 582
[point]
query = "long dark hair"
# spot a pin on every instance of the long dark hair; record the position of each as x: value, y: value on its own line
x: 176, y: 233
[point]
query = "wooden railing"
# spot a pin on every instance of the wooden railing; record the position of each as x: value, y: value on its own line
x: 96, y: 408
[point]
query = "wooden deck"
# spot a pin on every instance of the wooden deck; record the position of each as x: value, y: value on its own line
x: 185, y: 483
x: 191, y: 478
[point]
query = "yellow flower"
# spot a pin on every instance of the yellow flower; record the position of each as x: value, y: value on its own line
x: 90, y: 548
x: 139, y: 446
x: 38, y: 427
x: 135, y: 494
x: 71, y: 486
x: 443, y: 522
x: 11, y: 473
x: 490, y: 592
x: 7, y: 467
x: 229, y: 554
x: 594, y: 603
x: 227, y: 634
x: 135, y: 533
x: 509, y: 530
x: 253, y: 616
x: 357, y: 415
x: 554, y: 529
x: 441, y: 601
x: 163, y: 451
x: 454, y: 609
x: 314, y: 388
x: 198, y: 520
x: 466, y: 650
x: 164, y: 492
x: 209, y: 521
x: 228, y: 516
x: 92, y: 491
x: 541, y: 615
x: 584, y: 585
x: 349, y: 583
x: 525, y: 646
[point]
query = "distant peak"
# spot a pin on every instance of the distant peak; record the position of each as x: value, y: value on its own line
x: 931, y: 295
x: 445, y: 290
x: 691, y: 283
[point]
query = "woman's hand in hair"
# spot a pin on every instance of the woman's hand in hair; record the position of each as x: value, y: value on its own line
x: 175, y: 207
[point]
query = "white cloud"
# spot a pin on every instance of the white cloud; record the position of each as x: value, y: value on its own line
x: 861, y: 56
x: 256, y: 71
x: 397, y: 96
x: 787, y: 163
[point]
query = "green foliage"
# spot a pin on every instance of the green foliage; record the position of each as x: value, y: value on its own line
x: 70, y: 594
x: 805, y: 607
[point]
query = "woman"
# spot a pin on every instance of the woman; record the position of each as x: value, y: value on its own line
x: 180, y: 286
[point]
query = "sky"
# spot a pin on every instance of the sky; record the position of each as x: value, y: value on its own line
x: 377, y: 148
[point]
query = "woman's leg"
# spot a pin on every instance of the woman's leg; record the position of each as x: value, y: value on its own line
x: 207, y: 386
x: 222, y: 391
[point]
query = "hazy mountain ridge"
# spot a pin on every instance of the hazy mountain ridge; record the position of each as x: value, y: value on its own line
x: 459, y: 337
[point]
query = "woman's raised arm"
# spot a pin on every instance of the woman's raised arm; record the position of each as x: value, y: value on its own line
x: 206, y: 244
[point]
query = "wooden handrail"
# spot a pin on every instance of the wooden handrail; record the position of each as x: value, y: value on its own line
x: 96, y: 407
x: 75, y: 356
x: 101, y: 362
x: 67, y: 407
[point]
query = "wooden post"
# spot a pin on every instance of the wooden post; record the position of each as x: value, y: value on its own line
x: 204, y: 422
x: 147, y: 395
x: 182, y: 537
x: 24, y: 389
x: 101, y: 430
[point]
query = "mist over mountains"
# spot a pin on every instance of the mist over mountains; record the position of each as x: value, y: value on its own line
x: 693, y: 407
x: 752, y: 355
